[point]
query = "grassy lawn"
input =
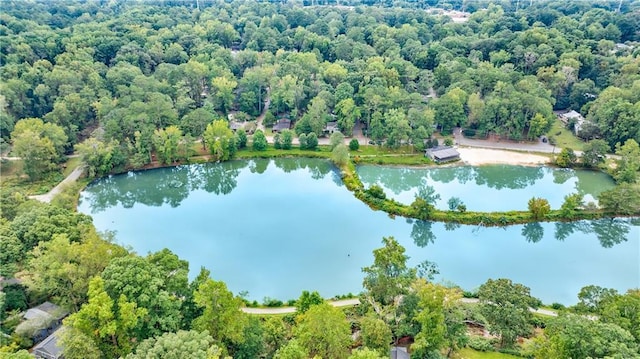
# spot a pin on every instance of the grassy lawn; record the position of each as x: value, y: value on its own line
x: 566, y: 138
x: 468, y: 353
x: 72, y: 164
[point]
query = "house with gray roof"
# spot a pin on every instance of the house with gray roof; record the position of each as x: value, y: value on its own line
x: 441, y: 154
x: 49, y: 348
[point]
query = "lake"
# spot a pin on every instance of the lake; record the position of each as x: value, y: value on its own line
x: 276, y: 227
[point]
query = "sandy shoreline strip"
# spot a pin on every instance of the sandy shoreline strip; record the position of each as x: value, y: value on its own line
x: 483, y: 156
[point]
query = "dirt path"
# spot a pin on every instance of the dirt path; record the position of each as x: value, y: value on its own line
x: 72, y: 177
x: 267, y: 103
x: 288, y: 310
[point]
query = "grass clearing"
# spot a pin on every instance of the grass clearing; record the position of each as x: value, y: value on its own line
x: 468, y: 353
x: 71, y: 165
x: 566, y: 138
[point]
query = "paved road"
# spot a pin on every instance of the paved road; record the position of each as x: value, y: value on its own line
x: 72, y: 177
x: 288, y: 310
x: 539, y: 311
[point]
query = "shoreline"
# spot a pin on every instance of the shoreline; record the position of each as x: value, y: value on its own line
x: 475, y: 156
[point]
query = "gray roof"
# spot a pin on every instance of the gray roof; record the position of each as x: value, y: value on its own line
x: 572, y: 114
x: 45, y: 310
x: 48, y: 348
x: 443, y: 152
x: 282, y: 124
x: 399, y: 353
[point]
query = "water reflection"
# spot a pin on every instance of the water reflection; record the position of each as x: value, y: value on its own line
x: 609, y: 231
x: 171, y: 186
x: 487, y: 188
x: 533, y: 232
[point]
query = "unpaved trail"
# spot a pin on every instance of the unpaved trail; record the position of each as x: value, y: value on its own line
x: 72, y: 177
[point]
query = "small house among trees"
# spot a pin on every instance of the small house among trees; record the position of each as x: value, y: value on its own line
x: 441, y: 154
x: 282, y: 124
x: 41, y: 321
x: 49, y: 348
x: 575, y: 118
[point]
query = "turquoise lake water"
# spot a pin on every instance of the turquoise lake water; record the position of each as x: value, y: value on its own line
x: 277, y: 227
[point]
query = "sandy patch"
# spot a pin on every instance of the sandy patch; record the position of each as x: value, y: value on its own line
x: 483, y: 156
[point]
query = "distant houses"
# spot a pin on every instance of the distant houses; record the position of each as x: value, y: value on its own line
x: 331, y: 127
x: 442, y: 154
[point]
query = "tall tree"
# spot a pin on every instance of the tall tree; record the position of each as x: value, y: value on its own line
x: 505, y: 305
x: 108, y: 323
x: 221, y: 315
x: 220, y: 140
x: 389, y: 276
x: 324, y: 331
x: 39, y: 145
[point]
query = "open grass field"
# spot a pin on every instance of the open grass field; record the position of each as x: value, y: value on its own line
x: 566, y: 138
x: 468, y: 353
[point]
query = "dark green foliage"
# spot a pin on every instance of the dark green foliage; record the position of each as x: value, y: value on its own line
x: 354, y: 145
x: 259, y: 141
x: 307, y: 300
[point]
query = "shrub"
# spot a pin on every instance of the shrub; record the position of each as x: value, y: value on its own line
x: 354, y: 145
x: 272, y: 302
x: 376, y: 191
x: 481, y: 344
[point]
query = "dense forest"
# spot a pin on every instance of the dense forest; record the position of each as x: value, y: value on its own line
x: 140, y: 78
x: 124, y: 83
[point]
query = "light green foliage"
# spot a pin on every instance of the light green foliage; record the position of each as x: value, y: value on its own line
x: 336, y: 138
x: 21, y: 354
x: 433, y: 302
x: 222, y: 91
x: 375, y: 334
x: 389, y: 275
x: 292, y: 350
x: 340, y: 155
x: 78, y: 345
x: 144, y: 282
x: 572, y: 203
x: 449, y: 109
x: 166, y: 142
x: 287, y: 139
x: 307, y: 300
x: 348, y: 113
x: 566, y: 158
x: 182, y: 344
x: 366, y: 353
x: 622, y: 199
x: 315, y: 118
x: 324, y: 331
x: 398, y: 128
x: 39, y: 145
x: 539, y: 207
x: 312, y: 141
x: 538, y: 126
x: 99, y: 156
x: 259, y: 141
x: 595, y: 153
x: 220, y: 140
x: 62, y: 269
x: 593, y: 297
x: 196, y: 121
x: 629, y: 163
x: 221, y: 315
x: 505, y: 305
x: 623, y: 310
x: 107, y: 323
x: 574, y: 336
x: 37, y: 222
